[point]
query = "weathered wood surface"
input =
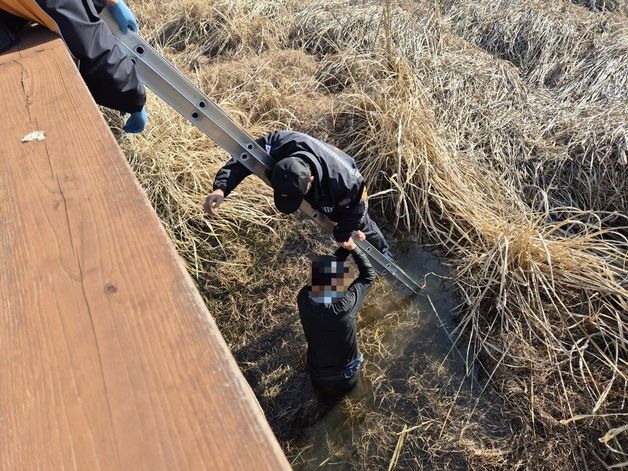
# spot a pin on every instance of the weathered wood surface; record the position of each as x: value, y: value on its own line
x: 109, y: 358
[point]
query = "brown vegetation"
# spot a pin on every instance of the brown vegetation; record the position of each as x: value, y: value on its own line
x: 497, y: 132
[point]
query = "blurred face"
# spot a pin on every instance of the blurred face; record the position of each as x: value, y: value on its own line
x: 329, y: 279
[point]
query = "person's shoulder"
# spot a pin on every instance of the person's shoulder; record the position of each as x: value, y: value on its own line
x: 344, y: 306
x: 303, y: 292
x: 285, y: 138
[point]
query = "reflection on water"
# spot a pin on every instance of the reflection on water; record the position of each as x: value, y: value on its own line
x: 418, y: 326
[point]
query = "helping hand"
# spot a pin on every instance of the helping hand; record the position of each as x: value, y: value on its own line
x: 213, y: 202
x: 136, y: 122
x: 123, y: 16
x: 350, y: 244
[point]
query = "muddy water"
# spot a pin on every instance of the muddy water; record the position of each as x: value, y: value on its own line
x: 419, y: 326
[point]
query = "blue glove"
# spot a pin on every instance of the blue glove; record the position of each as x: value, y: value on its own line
x: 136, y: 122
x: 123, y: 17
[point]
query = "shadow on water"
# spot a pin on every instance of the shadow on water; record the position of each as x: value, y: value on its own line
x: 418, y: 327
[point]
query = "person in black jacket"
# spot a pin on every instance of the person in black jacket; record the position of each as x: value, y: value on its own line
x: 328, y: 308
x: 306, y: 168
x: 108, y: 72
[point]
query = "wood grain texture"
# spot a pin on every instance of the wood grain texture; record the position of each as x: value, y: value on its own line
x: 110, y: 359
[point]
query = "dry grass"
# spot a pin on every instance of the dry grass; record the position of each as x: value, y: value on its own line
x: 574, y: 62
x: 498, y: 133
x: 618, y: 6
x: 554, y: 44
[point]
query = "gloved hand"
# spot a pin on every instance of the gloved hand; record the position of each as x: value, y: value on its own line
x: 136, y: 122
x: 123, y: 16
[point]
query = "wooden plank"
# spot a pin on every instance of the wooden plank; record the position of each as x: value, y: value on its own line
x: 110, y: 359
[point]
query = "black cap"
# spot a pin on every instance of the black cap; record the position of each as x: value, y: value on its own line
x: 326, y: 269
x: 290, y: 179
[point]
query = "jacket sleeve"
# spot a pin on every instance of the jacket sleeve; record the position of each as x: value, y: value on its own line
x: 341, y: 253
x: 367, y: 272
x: 356, y: 294
x: 108, y: 72
x: 233, y: 172
x: 349, y: 219
x: 230, y: 176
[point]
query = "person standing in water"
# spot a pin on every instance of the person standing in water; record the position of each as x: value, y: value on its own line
x: 328, y: 308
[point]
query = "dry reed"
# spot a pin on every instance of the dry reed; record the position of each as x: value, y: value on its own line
x: 497, y: 132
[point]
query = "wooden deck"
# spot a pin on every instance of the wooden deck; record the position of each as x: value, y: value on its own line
x: 109, y: 358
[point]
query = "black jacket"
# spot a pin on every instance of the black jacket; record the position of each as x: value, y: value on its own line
x: 108, y: 72
x: 330, y: 329
x: 338, y: 185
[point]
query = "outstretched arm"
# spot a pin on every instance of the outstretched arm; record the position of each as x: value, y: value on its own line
x: 356, y: 294
x: 230, y: 176
x: 365, y: 279
x: 227, y: 179
x: 367, y: 272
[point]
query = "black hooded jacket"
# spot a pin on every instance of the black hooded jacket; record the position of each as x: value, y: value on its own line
x: 338, y: 185
x: 108, y: 72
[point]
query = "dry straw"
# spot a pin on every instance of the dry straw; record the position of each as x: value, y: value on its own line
x: 495, y: 131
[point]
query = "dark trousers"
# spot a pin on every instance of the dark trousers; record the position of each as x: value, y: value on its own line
x: 329, y: 390
x: 373, y: 233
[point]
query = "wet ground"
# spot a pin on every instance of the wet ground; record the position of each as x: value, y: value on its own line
x: 419, y: 326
